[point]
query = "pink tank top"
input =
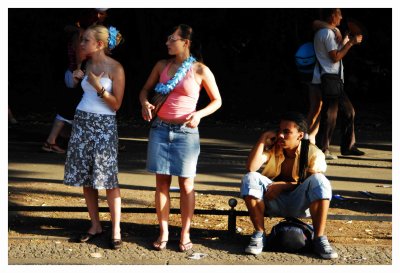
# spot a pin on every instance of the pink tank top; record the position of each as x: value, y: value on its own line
x: 182, y: 100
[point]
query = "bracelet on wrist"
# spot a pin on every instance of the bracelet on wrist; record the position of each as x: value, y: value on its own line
x: 101, y: 93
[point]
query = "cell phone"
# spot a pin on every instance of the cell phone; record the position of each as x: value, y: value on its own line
x: 269, y: 143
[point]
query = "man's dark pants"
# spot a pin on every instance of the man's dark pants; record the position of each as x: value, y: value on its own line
x: 329, y: 113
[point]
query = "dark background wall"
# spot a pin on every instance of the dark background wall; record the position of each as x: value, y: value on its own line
x: 250, y: 51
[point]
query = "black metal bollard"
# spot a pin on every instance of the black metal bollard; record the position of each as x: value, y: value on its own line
x: 232, y: 216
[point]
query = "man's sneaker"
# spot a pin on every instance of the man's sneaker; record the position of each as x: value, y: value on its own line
x: 329, y: 156
x: 323, y: 248
x: 256, y: 244
x: 353, y: 151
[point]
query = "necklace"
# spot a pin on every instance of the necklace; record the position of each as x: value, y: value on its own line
x: 179, y: 75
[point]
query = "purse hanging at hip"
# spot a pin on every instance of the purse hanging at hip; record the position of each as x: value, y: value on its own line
x: 157, y: 100
x: 331, y: 84
x: 161, y: 90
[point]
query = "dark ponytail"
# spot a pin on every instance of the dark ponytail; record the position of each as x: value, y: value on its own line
x: 303, y: 162
x: 187, y: 32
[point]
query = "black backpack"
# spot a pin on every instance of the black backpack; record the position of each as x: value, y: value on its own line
x: 290, y: 235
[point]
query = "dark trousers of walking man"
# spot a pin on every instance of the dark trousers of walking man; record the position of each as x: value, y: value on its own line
x: 330, y: 109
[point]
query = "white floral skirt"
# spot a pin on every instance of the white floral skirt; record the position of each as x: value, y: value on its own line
x: 92, y: 156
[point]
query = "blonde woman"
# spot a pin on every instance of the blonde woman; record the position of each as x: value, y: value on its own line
x: 93, y: 147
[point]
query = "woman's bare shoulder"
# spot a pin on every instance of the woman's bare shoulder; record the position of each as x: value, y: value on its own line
x: 161, y: 64
x: 201, y: 68
x: 115, y: 65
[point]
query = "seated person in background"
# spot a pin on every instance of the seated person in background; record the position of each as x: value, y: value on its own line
x: 291, y: 184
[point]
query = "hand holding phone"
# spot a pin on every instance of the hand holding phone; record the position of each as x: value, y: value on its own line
x: 269, y: 140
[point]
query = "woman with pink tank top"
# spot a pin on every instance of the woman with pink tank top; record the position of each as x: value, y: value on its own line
x: 174, y: 142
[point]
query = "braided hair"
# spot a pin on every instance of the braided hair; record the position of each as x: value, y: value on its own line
x: 302, y: 126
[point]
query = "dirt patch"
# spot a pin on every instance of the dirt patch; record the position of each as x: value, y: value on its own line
x: 339, y: 231
x: 35, y: 179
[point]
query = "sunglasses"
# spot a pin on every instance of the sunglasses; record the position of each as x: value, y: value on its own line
x: 171, y: 38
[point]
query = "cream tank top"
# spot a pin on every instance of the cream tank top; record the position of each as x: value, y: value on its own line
x: 90, y: 102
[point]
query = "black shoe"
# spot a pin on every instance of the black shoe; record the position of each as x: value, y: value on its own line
x: 353, y: 151
x: 115, y: 243
x: 86, y: 237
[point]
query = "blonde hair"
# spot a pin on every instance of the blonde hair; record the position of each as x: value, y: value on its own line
x: 101, y: 33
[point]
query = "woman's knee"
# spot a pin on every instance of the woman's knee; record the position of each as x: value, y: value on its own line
x: 115, y: 192
x: 163, y: 182
x: 186, y: 184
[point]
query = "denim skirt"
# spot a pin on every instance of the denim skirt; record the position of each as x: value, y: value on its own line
x: 92, y: 152
x: 173, y: 149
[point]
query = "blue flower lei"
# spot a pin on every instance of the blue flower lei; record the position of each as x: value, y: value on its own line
x: 112, y: 37
x: 180, y: 73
